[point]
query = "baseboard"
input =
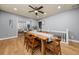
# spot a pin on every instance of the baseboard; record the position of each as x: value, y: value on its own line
x: 8, y: 38
x: 74, y: 43
x: 65, y: 42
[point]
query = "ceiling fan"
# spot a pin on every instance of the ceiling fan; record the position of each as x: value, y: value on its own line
x: 36, y: 10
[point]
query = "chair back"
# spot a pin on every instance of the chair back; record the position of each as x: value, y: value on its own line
x: 56, y: 46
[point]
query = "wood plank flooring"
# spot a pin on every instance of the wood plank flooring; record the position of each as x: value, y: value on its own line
x: 16, y: 47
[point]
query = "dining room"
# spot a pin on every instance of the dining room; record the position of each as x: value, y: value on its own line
x: 39, y: 29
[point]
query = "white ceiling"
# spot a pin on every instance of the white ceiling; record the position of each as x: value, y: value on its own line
x: 23, y: 9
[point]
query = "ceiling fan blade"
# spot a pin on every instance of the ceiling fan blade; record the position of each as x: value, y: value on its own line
x: 41, y: 12
x: 39, y: 7
x: 31, y: 7
x: 36, y: 13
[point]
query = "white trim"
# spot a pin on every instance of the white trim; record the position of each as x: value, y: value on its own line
x: 8, y: 38
x: 54, y: 31
x: 74, y: 41
x: 58, y: 31
x: 65, y: 42
x: 67, y: 36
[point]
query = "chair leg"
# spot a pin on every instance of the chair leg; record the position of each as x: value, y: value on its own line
x: 32, y: 51
x: 60, y: 52
x: 27, y: 47
x: 24, y: 42
x: 40, y: 48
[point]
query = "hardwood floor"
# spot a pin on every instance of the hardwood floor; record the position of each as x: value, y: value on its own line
x: 16, y: 47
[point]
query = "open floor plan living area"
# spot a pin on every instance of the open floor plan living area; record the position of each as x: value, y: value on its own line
x: 39, y: 29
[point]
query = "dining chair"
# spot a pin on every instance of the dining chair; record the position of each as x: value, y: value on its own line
x: 33, y: 43
x: 26, y: 40
x: 54, y: 47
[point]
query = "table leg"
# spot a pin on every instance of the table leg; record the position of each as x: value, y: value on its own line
x: 43, y: 47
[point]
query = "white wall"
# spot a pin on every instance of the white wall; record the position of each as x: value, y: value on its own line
x: 6, y: 30
x: 62, y: 21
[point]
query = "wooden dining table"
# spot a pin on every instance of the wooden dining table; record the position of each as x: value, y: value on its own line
x: 42, y: 38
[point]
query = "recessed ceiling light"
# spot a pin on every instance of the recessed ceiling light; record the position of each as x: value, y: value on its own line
x: 59, y: 7
x: 45, y: 13
x: 15, y: 9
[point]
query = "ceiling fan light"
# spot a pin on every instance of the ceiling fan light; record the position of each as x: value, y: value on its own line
x: 35, y: 11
